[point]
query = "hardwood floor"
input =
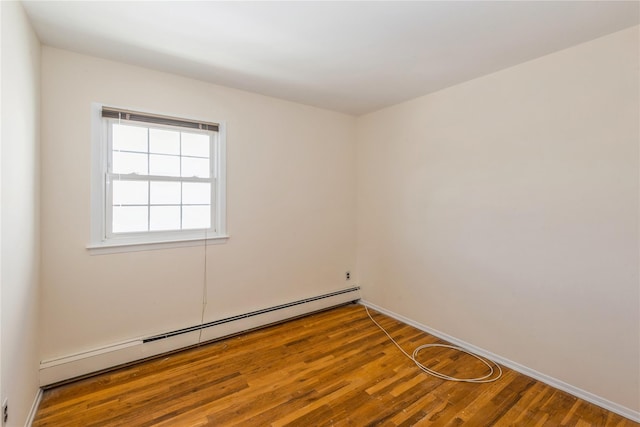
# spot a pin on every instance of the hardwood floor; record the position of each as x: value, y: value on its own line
x: 331, y: 368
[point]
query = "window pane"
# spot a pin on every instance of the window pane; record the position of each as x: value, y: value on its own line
x: 195, y: 167
x: 130, y: 192
x: 129, y: 219
x: 164, y: 141
x: 129, y: 163
x: 165, y: 218
x: 196, y: 193
x: 196, y: 217
x: 165, y: 193
x: 129, y: 138
x: 164, y: 165
x: 195, y: 144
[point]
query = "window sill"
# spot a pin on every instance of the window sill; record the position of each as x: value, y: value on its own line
x: 113, y: 247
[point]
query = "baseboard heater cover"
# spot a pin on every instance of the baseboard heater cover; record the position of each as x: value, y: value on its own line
x: 247, y: 315
x: 81, y: 364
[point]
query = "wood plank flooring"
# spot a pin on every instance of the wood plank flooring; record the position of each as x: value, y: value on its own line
x: 330, y: 368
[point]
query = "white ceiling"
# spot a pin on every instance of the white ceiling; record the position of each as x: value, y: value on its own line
x: 354, y: 57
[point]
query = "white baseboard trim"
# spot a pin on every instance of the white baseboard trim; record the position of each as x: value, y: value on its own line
x: 34, y: 409
x: 87, y: 362
x: 553, y: 382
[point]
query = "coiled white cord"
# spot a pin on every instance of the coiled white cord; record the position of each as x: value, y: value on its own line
x: 488, y: 378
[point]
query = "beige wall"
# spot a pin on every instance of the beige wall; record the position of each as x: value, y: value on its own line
x: 290, y: 208
x: 504, y: 212
x: 20, y: 212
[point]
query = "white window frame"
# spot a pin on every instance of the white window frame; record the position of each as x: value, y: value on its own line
x: 104, y: 241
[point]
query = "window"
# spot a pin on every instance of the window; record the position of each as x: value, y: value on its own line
x: 156, y: 179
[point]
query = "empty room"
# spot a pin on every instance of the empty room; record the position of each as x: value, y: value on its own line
x: 344, y: 213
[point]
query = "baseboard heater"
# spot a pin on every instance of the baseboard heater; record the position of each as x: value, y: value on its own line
x: 77, y: 365
x: 250, y: 314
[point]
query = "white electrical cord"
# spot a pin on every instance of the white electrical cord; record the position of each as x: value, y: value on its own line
x: 483, y: 379
x: 204, y: 290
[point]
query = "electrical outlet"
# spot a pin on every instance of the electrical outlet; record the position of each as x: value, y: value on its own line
x: 5, y: 410
x: 347, y: 275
